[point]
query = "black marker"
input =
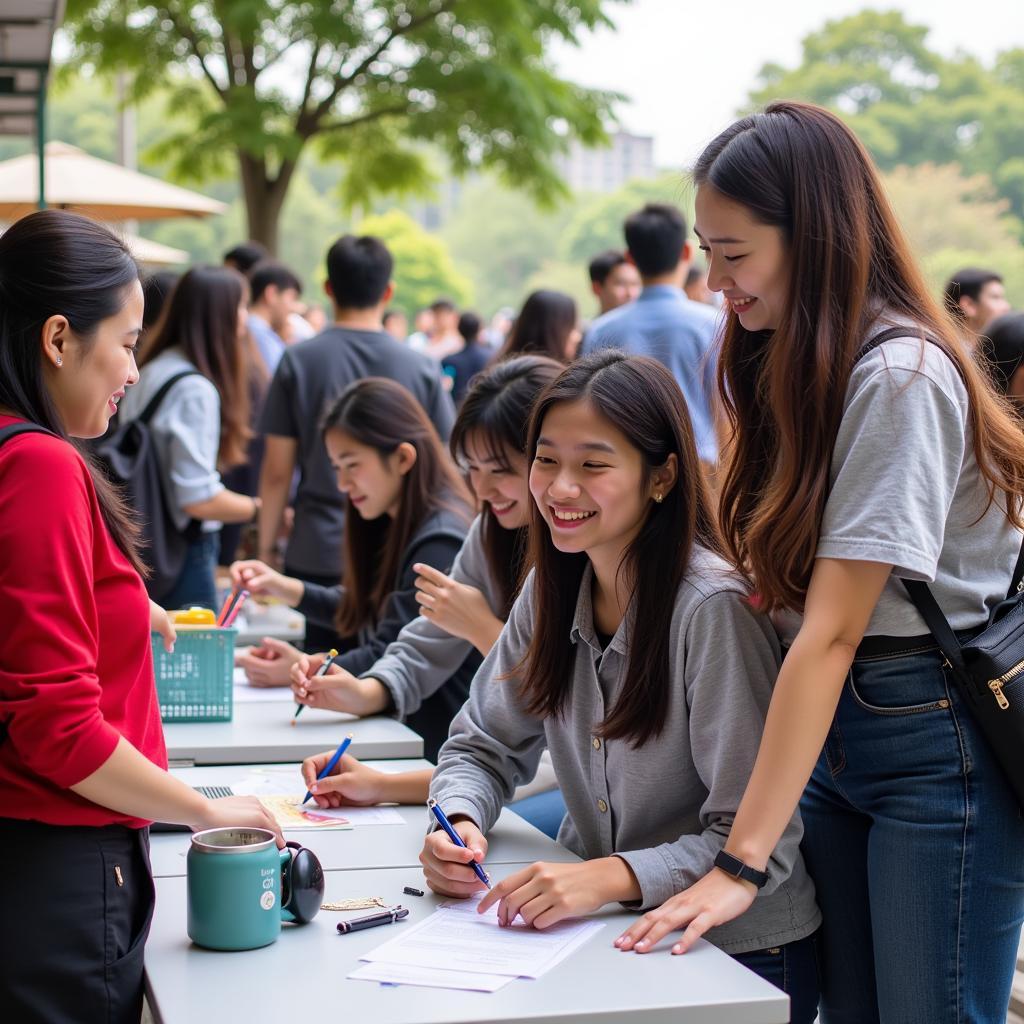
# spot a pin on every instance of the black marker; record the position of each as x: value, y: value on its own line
x: 372, y: 920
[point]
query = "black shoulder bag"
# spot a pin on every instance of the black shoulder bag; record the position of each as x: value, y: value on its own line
x: 128, y: 456
x: 989, y: 668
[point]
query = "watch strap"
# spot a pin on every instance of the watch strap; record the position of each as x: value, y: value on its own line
x: 734, y: 866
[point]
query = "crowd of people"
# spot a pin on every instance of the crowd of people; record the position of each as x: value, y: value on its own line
x: 641, y: 576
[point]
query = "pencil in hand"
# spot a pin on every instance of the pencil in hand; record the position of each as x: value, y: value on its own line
x: 321, y: 671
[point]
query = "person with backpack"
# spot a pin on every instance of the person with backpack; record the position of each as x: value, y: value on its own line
x: 870, y: 461
x: 82, y: 756
x: 202, y: 423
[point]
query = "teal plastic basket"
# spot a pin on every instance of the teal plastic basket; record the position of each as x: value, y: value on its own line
x: 194, y: 684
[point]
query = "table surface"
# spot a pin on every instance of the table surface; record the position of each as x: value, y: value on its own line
x: 512, y: 839
x: 263, y: 734
x: 301, y: 977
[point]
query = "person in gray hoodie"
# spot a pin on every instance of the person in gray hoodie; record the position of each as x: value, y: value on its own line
x: 635, y: 656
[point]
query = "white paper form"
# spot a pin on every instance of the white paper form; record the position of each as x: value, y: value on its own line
x: 455, y: 937
x: 402, y: 974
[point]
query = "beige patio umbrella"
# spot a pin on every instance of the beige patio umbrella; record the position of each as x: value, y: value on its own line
x: 97, y: 188
x: 153, y: 254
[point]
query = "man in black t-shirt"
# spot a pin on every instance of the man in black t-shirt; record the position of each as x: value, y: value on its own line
x: 309, y: 377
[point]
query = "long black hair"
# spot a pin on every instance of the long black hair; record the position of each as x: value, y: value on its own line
x: 495, y: 414
x: 57, y: 263
x: 382, y: 414
x: 642, y: 400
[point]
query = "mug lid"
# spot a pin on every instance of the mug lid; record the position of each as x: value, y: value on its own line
x: 233, y: 840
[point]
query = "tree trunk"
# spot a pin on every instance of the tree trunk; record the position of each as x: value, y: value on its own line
x: 264, y: 198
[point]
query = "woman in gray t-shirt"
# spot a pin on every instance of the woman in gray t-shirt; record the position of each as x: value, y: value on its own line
x: 850, y: 472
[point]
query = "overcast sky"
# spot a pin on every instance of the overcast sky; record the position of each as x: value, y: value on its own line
x: 688, y: 66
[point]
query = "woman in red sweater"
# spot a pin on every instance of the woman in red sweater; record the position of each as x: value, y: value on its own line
x: 82, y: 757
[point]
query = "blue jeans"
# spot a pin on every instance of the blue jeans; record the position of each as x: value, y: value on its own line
x: 542, y: 810
x: 792, y: 968
x: 195, y: 585
x: 916, y: 846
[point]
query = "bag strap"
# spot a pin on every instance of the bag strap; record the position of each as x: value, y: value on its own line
x: 154, y: 403
x: 938, y: 625
x: 13, y: 429
x: 919, y: 592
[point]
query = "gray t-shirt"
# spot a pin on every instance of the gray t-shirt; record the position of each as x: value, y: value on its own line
x: 667, y: 808
x: 906, y: 489
x: 185, y: 431
x: 309, y: 377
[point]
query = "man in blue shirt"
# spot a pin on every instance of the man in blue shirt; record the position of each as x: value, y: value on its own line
x: 275, y: 296
x: 663, y: 323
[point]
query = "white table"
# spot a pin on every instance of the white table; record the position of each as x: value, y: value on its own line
x: 263, y: 734
x: 370, y: 846
x: 301, y: 977
x: 255, y: 621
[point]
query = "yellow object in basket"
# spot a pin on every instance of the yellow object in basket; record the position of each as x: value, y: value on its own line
x: 193, y: 617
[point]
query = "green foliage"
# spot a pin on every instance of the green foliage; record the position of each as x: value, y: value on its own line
x: 909, y: 104
x: 597, y: 223
x: 501, y: 238
x: 424, y: 270
x: 954, y: 221
x: 371, y: 80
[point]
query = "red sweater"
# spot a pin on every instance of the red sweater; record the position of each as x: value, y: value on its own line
x: 76, y: 669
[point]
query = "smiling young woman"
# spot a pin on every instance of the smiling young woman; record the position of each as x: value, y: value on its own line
x: 632, y: 653
x: 82, y: 758
x: 854, y: 466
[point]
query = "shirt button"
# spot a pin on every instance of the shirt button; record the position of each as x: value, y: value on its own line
x: 597, y: 743
x: 602, y: 806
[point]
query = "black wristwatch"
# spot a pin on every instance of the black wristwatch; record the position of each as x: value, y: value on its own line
x: 734, y: 866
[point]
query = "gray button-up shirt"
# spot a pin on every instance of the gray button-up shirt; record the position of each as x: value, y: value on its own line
x: 667, y: 807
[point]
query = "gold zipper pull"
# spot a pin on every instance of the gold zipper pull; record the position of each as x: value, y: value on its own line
x: 117, y: 875
x: 996, y: 687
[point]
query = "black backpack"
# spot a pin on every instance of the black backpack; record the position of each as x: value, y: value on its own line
x: 129, y: 459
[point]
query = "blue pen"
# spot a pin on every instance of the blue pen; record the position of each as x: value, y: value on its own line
x: 442, y: 820
x: 329, y: 767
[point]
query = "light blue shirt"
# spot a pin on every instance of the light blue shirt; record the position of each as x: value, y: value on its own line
x: 268, y: 341
x: 665, y: 325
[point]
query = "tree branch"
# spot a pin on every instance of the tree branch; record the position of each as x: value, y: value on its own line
x: 373, y: 115
x: 186, y: 33
x: 302, y: 126
x: 342, y: 81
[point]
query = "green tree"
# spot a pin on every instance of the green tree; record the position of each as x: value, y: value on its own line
x: 954, y: 221
x: 597, y: 222
x: 501, y: 238
x: 424, y: 270
x: 373, y: 83
x: 909, y: 104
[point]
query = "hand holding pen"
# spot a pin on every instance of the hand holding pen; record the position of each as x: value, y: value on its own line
x: 321, y: 671
x: 330, y: 766
x: 451, y: 856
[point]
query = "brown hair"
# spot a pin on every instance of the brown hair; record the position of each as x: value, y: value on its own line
x: 57, y: 263
x: 640, y: 398
x: 496, y: 414
x: 799, y: 168
x: 201, y: 318
x: 382, y: 414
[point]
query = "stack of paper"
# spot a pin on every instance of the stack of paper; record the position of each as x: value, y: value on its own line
x: 458, y: 948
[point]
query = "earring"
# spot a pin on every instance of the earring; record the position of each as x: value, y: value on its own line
x: 658, y: 497
x: 60, y: 361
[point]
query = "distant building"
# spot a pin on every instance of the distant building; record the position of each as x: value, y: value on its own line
x: 605, y: 170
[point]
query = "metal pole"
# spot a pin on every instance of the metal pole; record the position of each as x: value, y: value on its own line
x: 41, y: 139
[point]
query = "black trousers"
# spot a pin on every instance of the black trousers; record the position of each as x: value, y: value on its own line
x: 75, y: 912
